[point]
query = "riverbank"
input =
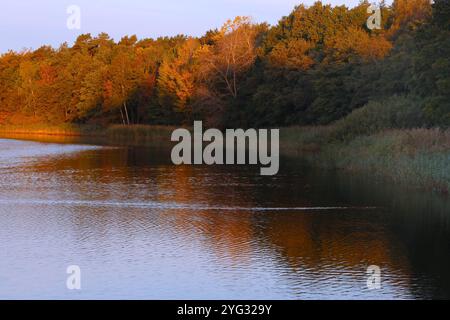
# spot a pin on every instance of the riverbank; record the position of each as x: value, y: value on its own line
x: 136, y: 135
x: 53, y: 130
x: 418, y: 158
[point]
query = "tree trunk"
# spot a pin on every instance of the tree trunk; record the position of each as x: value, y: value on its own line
x: 126, y: 113
x: 127, y: 118
x: 121, y: 114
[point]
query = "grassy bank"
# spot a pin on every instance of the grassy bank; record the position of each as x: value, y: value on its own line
x: 381, y: 138
x: 418, y: 158
x: 53, y: 130
x: 139, y: 134
x: 135, y: 135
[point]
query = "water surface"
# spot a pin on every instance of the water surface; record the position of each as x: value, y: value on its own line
x: 141, y: 228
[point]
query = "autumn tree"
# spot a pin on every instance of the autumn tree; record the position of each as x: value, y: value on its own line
x: 315, y: 66
x: 354, y: 43
x: 409, y: 14
x: 125, y: 73
x: 232, y: 55
x: 176, y: 80
x: 292, y: 54
x: 9, y: 83
x: 28, y: 72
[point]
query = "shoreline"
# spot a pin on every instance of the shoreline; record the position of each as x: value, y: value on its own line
x: 137, y: 135
x: 416, y: 158
x: 65, y: 130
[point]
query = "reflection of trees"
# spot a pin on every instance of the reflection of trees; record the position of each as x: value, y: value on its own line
x: 408, y: 239
x: 227, y: 234
x: 310, y: 239
x: 143, y: 175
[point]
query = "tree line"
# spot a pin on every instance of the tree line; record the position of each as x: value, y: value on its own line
x: 317, y: 65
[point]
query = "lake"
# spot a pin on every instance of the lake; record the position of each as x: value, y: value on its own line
x: 141, y: 228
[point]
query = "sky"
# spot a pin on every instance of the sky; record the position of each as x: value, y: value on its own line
x: 30, y: 24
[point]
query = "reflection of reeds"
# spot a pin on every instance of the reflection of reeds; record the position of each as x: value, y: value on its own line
x: 60, y: 130
x: 124, y: 135
x: 418, y: 157
x: 140, y: 134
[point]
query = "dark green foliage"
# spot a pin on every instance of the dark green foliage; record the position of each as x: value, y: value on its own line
x: 397, y: 112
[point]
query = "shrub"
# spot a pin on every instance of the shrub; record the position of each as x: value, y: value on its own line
x: 397, y: 112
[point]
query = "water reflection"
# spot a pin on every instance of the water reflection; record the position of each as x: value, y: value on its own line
x: 142, y: 228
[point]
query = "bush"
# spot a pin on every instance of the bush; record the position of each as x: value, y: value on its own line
x: 397, y: 112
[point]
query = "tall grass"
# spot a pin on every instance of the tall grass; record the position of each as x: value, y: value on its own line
x: 418, y: 157
x: 140, y: 134
x: 378, y: 138
x: 116, y: 134
x: 43, y: 129
x: 396, y: 112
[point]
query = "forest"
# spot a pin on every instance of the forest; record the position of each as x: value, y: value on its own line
x: 318, y: 65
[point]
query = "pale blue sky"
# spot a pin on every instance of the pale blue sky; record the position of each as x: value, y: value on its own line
x: 31, y: 23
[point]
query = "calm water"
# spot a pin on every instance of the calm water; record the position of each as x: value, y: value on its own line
x: 141, y: 228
